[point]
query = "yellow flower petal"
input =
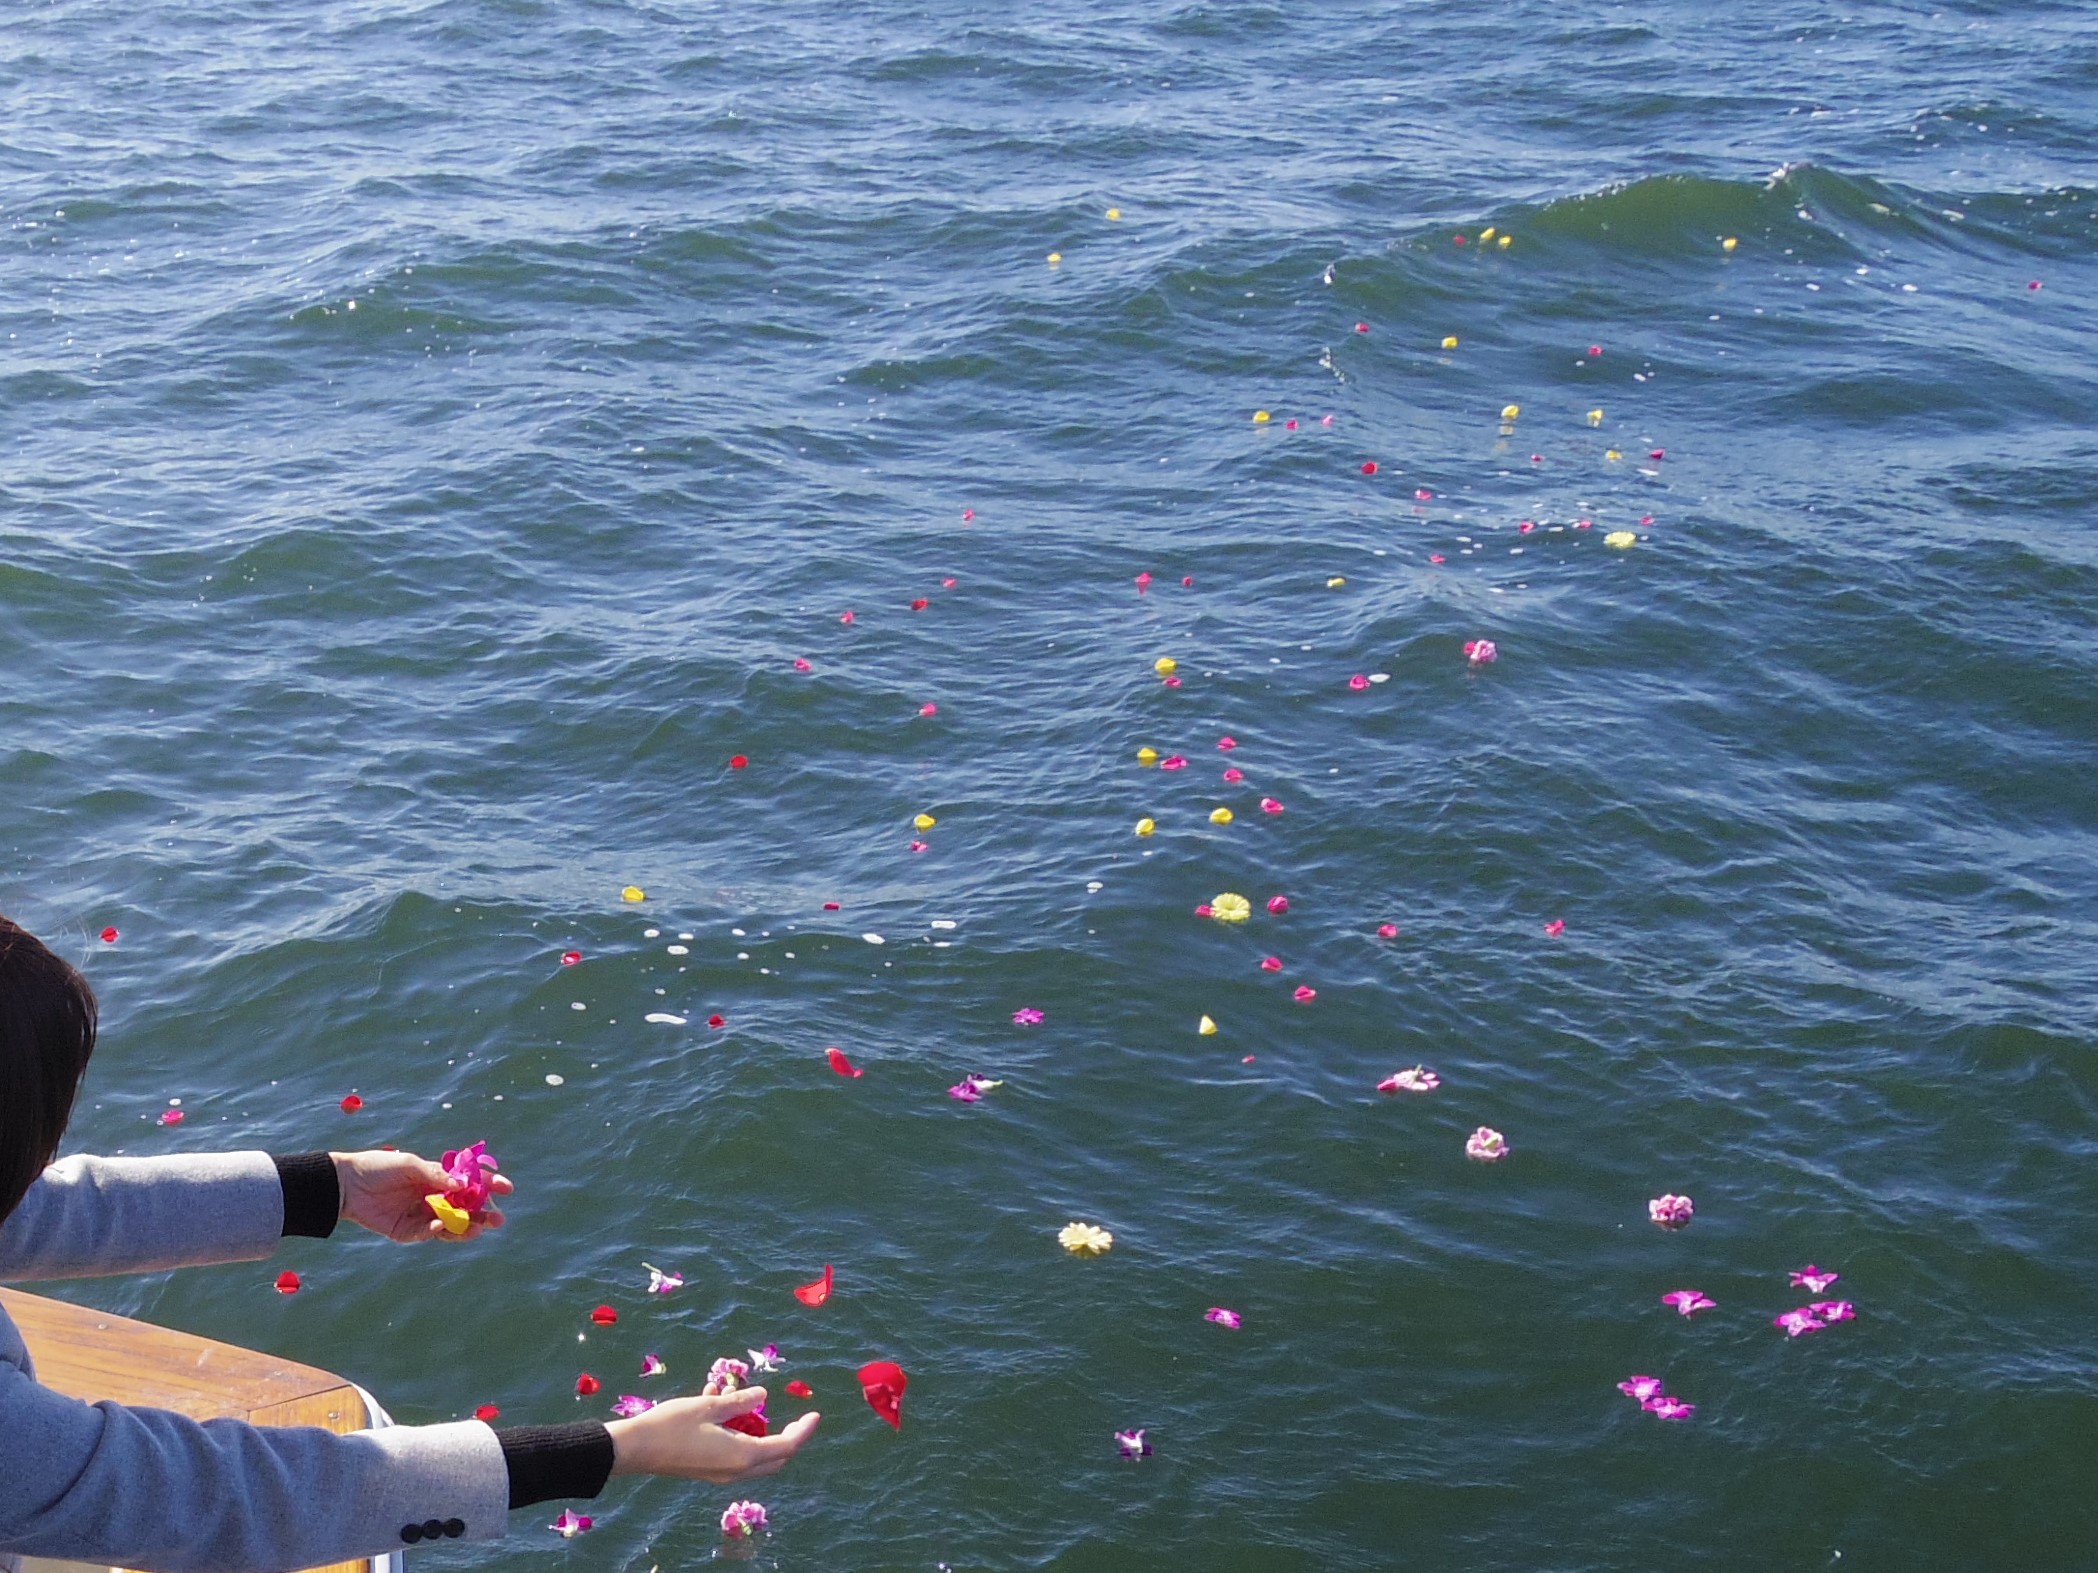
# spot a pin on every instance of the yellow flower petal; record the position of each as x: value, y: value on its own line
x: 1450, y: 342
x: 1221, y: 816
x: 1055, y: 257
x: 1165, y: 666
x: 925, y: 821
x: 1504, y: 241
x: 1261, y: 417
x: 1621, y: 539
x: 1114, y: 213
x: 1335, y: 582
x: 1510, y: 411
x: 1612, y: 453
x: 1147, y: 756
x: 1595, y: 417
x: 1206, y: 1027
x: 1486, y: 233
x: 633, y: 893
x: 1729, y: 243
x: 1145, y: 827
x: 456, y: 1220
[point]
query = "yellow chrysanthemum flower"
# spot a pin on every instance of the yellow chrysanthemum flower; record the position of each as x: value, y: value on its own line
x: 1085, y: 1239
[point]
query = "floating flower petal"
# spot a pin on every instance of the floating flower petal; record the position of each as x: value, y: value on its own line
x: 1206, y: 1027
x: 288, y: 1283
x: 1132, y: 1444
x: 604, y: 1316
x: 1688, y: 1302
x: 1813, y: 1279
x: 586, y: 1384
x: 660, y: 1282
x: 883, y: 1383
x: 1640, y: 1387
x: 819, y: 1291
x: 1418, y: 1079
x: 1085, y: 1239
x: 840, y: 1064
x: 1027, y: 1016
x: 652, y: 1365
x: 800, y: 1389
x: 1304, y: 994
x: 1669, y: 1408
x: 1481, y: 652
x: 1486, y: 1144
x: 1671, y: 1211
x: 1222, y: 1317
x: 1278, y: 905
x: 741, y: 1520
x: 570, y: 1524
x: 1798, y: 1323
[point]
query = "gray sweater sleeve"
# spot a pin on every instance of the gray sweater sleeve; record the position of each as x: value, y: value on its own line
x: 144, y: 1488
x: 85, y: 1217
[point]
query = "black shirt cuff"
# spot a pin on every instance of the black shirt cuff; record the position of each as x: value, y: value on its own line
x: 547, y: 1462
x: 312, y: 1195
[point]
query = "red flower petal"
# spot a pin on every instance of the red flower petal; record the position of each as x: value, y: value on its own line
x: 749, y: 1425
x: 486, y: 1412
x: 109, y: 936
x: 1556, y: 927
x: 840, y: 1064
x: 717, y: 1021
x: 737, y: 761
x: 819, y: 1291
x: 800, y: 1389
x: 570, y: 957
x: 920, y: 604
x: 830, y: 906
x: 586, y: 1384
x: 883, y: 1382
x: 287, y: 1283
x: 604, y: 1316
x: 1369, y: 466
x: 352, y: 1104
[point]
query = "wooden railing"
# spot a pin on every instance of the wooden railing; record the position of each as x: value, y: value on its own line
x: 94, y: 1355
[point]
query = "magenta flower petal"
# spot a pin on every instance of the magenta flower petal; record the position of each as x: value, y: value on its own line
x: 652, y: 1365
x: 1640, y: 1387
x: 1688, y: 1302
x: 570, y: 1524
x: 1027, y: 1016
x: 1813, y: 1279
x: 1669, y: 1408
x: 1221, y: 1317
x: 1798, y: 1323
x: 631, y: 1404
x: 1834, y: 1310
x: 1132, y: 1444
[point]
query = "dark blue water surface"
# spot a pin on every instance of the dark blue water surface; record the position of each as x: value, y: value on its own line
x: 431, y: 433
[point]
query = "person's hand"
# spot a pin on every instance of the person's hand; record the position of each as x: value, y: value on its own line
x: 384, y: 1191
x: 684, y: 1438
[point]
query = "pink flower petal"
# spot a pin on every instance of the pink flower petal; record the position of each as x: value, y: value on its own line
x: 1222, y: 1317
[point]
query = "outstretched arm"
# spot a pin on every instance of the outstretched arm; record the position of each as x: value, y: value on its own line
x: 89, y: 1216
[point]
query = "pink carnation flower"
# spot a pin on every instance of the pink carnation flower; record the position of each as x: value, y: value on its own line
x: 743, y: 1519
x: 1670, y: 1212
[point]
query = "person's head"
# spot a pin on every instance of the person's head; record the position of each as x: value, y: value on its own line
x: 47, y: 1031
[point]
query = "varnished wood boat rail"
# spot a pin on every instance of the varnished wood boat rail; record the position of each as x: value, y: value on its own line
x: 96, y: 1355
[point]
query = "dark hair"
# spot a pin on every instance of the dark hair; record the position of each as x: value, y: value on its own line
x: 47, y: 1031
